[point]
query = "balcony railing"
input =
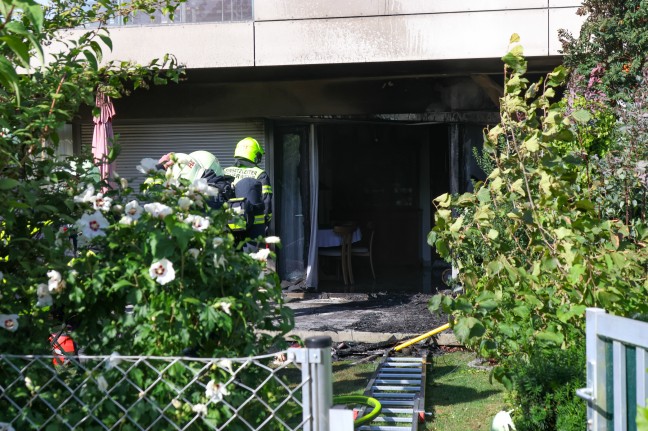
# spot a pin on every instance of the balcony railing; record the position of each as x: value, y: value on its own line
x: 195, y: 11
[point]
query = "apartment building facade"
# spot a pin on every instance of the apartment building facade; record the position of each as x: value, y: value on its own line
x: 367, y: 109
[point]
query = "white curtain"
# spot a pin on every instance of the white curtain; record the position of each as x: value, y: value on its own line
x: 311, y: 270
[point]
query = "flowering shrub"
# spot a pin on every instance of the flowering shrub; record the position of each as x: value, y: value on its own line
x: 156, y: 273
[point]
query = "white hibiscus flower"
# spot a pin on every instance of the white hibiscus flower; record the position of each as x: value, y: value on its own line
x: 197, y: 222
x: 216, y: 391
x: 92, y: 225
x: 9, y: 322
x: 158, y: 210
x: 86, y: 195
x: 261, y: 255
x: 132, y: 212
x: 184, y: 203
x: 113, y: 360
x: 225, y: 364
x: 217, y: 241
x: 147, y: 165
x: 225, y: 306
x: 273, y: 240
x: 199, y: 186
x: 102, y: 383
x: 193, y: 252
x: 55, y: 283
x: 44, y: 296
x: 162, y: 271
x: 201, y: 409
x: 219, y: 261
x: 101, y: 202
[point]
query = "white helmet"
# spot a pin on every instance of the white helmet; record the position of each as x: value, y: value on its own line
x: 192, y: 166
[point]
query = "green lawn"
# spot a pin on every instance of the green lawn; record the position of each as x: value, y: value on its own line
x: 459, y: 397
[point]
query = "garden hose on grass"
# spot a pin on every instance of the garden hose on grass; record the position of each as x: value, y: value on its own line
x: 360, y: 399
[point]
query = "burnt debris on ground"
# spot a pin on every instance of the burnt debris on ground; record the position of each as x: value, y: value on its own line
x: 381, y: 313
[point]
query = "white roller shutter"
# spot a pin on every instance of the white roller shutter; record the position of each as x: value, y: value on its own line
x: 154, y: 140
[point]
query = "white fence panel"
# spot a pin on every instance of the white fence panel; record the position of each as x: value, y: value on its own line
x: 617, y: 375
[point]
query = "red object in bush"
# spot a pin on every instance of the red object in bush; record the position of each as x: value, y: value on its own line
x: 62, y: 346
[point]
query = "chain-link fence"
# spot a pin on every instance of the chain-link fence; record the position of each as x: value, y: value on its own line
x: 272, y: 392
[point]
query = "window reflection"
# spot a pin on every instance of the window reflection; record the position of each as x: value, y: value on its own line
x: 195, y: 11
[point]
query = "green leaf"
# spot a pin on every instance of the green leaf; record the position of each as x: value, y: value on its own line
x: 106, y: 40
x: 18, y: 47
x: 572, y: 311
x: 192, y: 301
x: 444, y: 200
x: 582, y: 116
x: 457, y: 224
x: 562, y: 232
x: 431, y: 238
x: 121, y: 283
x: 442, y: 248
x: 502, y: 375
x: 483, y: 195
x: 161, y: 246
x: 642, y: 418
x: 466, y: 199
x: 557, y: 77
x: 607, y: 298
x: 532, y: 144
x: 493, y: 234
x: 575, y: 273
x: 551, y: 337
x: 514, y: 38
x: 522, y: 311
x: 585, y: 204
x: 8, y: 183
x: 435, y: 302
x: 9, y: 78
x: 89, y: 55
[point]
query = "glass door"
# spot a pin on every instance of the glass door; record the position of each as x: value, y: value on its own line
x: 292, y: 199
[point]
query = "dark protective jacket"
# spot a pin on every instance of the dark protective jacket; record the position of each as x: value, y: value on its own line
x: 246, y: 169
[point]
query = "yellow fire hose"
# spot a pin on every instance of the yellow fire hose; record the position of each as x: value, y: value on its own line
x: 422, y: 337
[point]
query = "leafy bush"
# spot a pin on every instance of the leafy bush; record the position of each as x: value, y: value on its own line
x: 77, y: 251
x: 220, y: 302
x: 544, y: 392
x: 612, y: 38
x: 545, y: 252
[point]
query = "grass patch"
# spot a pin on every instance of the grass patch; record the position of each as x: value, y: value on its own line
x: 350, y: 379
x: 460, y: 397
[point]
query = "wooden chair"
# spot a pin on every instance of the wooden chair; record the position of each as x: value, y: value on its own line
x: 365, y: 247
x: 343, y: 251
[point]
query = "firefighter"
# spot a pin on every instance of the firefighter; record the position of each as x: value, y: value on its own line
x: 248, y: 154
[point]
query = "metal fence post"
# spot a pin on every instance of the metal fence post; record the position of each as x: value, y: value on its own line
x: 319, y: 352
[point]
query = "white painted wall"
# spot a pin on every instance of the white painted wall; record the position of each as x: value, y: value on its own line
x: 400, y: 38
x: 296, y: 32
x: 197, y: 45
x: 273, y: 10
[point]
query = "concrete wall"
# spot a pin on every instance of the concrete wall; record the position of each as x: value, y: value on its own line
x: 295, y: 32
